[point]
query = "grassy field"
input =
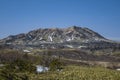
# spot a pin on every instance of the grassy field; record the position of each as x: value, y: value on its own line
x: 78, y: 73
x: 24, y: 68
x: 70, y: 73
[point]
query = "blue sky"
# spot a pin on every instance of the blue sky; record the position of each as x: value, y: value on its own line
x: 21, y: 16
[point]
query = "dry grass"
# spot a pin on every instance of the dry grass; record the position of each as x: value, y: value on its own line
x: 79, y: 73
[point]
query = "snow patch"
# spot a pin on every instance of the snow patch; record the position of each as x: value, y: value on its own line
x: 68, y: 32
x: 40, y: 69
x: 85, y: 41
x: 50, y: 38
x: 118, y: 69
x: 72, y: 37
x: 40, y: 38
x: 69, y: 39
x: 70, y: 46
x: 30, y: 36
x: 26, y: 51
x: 97, y: 39
x: 81, y: 46
x: 52, y: 33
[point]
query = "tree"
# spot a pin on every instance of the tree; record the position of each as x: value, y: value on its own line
x: 55, y: 64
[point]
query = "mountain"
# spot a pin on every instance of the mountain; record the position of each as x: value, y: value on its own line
x: 71, y: 37
x: 55, y: 35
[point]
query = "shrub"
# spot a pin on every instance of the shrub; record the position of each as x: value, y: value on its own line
x: 55, y: 64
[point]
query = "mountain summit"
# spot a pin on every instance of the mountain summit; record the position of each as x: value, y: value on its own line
x: 71, y: 37
x: 73, y: 33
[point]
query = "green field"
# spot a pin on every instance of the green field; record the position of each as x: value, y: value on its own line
x: 79, y: 73
x: 71, y: 73
x: 21, y: 66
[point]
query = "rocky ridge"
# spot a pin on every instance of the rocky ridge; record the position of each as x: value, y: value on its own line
x: 71, y: 37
